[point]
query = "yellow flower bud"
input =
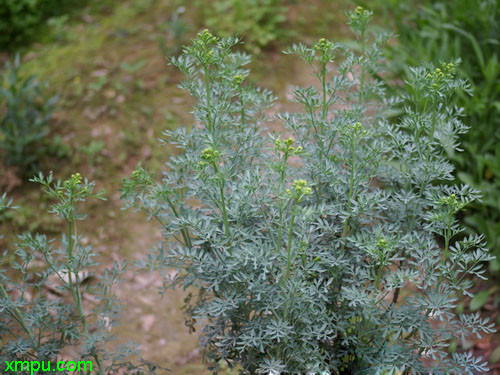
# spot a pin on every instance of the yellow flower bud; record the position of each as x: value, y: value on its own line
x: 238, y: 79
x: 209, y: 155
x: 382, y: 243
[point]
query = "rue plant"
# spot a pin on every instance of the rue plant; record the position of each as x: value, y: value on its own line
x: 48, y: 310
x: 332, y: 248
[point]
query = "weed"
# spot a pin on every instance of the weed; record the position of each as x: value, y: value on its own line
x: 258, y: 21
x: 25, y: 117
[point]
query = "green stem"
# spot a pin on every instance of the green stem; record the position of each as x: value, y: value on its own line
x: 69, y: 252
x: 446, y: 243
x: 323, y: 85
x: 19, y: 317
x: 77, y: 282
x: 379, y: 275
x: 224, y: 213
x: 80, y: 306
x: 362, y: 81
x: 242, y: 110
x: 313, y: 121
x: 280, y: 203
x: 289, y: 244
x: 321, y: 150
x: 99, y: 365
x: 207, y: 93
x: 433, y: 127
x: 184, y: 232
x: 75, y: 290
x: 447, y: 239
x: 223, y: 203
x: 431, y: 139
x: 349, y: 197
x: 280, y: 227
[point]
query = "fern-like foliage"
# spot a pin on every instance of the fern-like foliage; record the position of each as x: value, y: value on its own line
x: 332, y: 249
x: 44, y: 315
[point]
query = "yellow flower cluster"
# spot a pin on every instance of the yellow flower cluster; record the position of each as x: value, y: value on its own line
x: 206, y: 38
x: 323, y: 45
x: 208, y: 156
x: 73, y: 181
x: 202, y: 46
x: 286, y: 146
x: 360, y: 14
x: 452, y: 202
x: 447, y: 70
x: 300, y: 189
x: 356, y: 128
x: 72, y: 184
x: 238, y: 79
x: 449, y: 200
x: 141, y: 177
x: 382, y: 243
x: 360, y: 10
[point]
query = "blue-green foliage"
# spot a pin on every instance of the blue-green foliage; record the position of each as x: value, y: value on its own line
x: 318, y: 251
x: 43, y: 311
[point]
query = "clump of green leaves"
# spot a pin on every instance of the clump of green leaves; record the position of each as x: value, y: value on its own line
x: 318, y: 251
x: 25, y: 117
x: 258, y: 21
x: 22, y: 20
x: 433, y: 31
x: 43, y: 308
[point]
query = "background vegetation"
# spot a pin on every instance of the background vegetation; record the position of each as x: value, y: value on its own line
x: 467, y: 31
